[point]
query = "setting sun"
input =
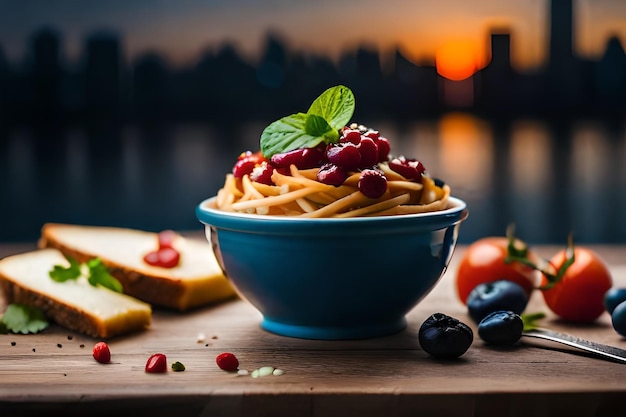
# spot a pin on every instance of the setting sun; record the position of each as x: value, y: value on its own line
x: 457, y: 60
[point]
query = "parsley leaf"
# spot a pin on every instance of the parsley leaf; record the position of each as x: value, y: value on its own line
x: 99, y: 275
x: 20, y: 318
x: 61, y: 273
x: 329, y: 112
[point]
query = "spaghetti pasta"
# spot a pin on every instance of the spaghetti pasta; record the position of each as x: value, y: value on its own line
x: 300, y: 194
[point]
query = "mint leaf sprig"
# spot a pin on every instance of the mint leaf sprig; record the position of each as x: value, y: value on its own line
x: 331, y: 111
x: 95, y: 271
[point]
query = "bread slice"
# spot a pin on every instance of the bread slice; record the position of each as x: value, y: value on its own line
x: 197, y: 280
x: 74, y: 304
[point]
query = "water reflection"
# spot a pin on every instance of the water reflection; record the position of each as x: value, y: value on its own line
x: 548, y: 179
x: 532, y: 177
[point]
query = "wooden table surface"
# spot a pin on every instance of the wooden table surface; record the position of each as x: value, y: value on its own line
x: 390, y: 376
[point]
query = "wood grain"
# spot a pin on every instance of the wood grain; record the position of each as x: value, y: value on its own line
x: 55, y: 372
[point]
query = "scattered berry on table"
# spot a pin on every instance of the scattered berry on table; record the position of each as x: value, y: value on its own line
x: 501, y: 328
x: 157, y: 363
x: 493, y: 296
x: 101, y: 352
x: 227, y: 361
x: 445, y: 337
x: 618, y: 319
x: 614, y: 297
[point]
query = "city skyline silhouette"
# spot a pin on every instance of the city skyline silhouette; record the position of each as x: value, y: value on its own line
x: 222, y: 85
x: 103, y: 140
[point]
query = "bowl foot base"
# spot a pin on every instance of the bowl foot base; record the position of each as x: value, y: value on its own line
x: 333, y: 332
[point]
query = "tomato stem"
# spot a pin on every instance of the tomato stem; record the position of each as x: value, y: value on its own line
x: 517, y: 251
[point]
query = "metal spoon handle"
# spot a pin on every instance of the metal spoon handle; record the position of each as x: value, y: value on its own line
x: 611, y: 353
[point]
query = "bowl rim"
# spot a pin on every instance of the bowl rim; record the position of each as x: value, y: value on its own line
x: 433, y: 220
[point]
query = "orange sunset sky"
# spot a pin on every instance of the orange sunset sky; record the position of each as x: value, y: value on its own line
x: 185, y: 28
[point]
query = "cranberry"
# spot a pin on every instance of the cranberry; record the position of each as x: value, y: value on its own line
x: 166, y: 238
x: 263, y: 173
x: 227, y: 361
x: 351, y: 135
x: 374, y: 134
x: 164, y: 257
x: 303, y: 158
x: 346, y: 155
x: 383, y: 149
x: 156, y: 363
x: 243, y: 167
x: 246, y: 163
x: 152, y: 258
x: 369, y: 152
x: 411, y: 169
x: 372, y: 183
x: 101, y: 352
x: 332, y: 174
x: 168, y: 257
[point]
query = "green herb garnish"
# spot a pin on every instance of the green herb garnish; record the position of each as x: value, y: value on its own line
x: 61, y: 273
x: 331, y: 111
x: 20, y: 318
x: 178, y: 367
x: 96, y: 273
x: 530, y: 320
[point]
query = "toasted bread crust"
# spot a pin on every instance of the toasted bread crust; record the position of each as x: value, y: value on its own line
x: 65, y: 315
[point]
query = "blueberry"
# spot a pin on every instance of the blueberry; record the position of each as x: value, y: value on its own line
x: 493, y: 296
x: 501, y: 328
x: 613, y: 298
x: 618, y: 319
x: 445, y: 337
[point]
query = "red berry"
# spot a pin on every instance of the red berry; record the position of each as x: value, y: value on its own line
x: 351, y: 135
x: 303, y: 158
x: 411, y: 169
x: 345, y: 155
x: 369, y: 152
x: 246, y: 163
x: 164, y: 257
x: 243, y: 167
x: 166, y: 238
x: 383, y: 149
x: 372, y: 183
x: 331, y: 174
x: 227, y: 361
x: 168, y: 257
x: 263, y: 173
x: 374, y: 134
x: 101, y: 352
x: 156, y: 363
x: 152, y: 258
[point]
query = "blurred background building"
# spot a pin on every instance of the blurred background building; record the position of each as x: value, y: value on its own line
x: 110, y: 137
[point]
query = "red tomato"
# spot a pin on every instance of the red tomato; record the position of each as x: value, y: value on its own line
x: 579, y: 295
x: 484, y: 262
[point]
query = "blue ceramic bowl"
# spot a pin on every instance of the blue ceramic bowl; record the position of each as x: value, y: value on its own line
x: 333, y: 278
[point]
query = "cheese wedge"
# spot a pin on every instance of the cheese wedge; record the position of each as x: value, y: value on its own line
x: 196, y: 281
x: 75, y: 304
